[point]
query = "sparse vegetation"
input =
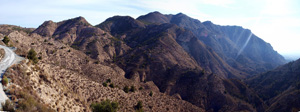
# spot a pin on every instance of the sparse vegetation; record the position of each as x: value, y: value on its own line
x: 6, y: 40
x: 32, y: 56
x: 105, y: 106
x: 8, y: 106
x: 30, y: 104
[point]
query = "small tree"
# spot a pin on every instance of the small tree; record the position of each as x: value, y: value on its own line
x: 6, y: 40
x: 32, y: 56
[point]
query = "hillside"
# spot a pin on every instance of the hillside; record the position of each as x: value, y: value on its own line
x: 229, y: 42
x: 169, y: 62
x: 279, y: 87
x: 66, y: 79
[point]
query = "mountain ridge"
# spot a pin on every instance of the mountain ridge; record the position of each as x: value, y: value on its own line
x: 172, y: 56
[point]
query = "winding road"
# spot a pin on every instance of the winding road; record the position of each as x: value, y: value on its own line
x: 9, y: 59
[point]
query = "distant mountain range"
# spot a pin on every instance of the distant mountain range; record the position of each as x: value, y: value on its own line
x: 212, y: 67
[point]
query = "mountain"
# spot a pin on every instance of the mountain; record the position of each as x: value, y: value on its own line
x: 279, y: 87
x: 166, y: 54
x: 231, y: 43
x: 177, y: 63
x: 67, y: 79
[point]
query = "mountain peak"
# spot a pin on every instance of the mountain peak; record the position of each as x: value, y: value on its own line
x: 117, y: 24
x: 76, y: 21
x: 155, y: 17
x: 46, y: 29
x: 180, y: 13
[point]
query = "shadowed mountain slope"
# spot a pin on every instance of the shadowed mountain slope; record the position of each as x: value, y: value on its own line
x: 279, y: 87
x: 229, y: 42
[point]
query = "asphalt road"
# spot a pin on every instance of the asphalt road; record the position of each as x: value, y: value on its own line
x: 9, y: 59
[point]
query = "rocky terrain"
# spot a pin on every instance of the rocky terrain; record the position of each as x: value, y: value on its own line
x: 185, y: 64
x: 279, y: 87
x: 66, y: 79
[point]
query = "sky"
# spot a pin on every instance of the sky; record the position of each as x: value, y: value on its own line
x: 275, y: 21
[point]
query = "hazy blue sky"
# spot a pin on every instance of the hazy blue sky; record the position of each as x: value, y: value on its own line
x: 275, y: 21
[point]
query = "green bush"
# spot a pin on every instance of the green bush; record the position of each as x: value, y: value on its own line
x: 108, y: 80
x: 32, y: 56
x: 126, y: 89
x: 104, y: 84
x: 105, y: 106
x: 139, y: 107
x: 4, y: 80
x: 132, y: 89
x: 140, y: 88
x: 6, y: 40
x: 151, y: 93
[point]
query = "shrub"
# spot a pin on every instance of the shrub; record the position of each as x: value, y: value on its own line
x: 140, y: 88
x: 108, y: 80
x: 32, y: 56
x: 4, y: 80
x: 30, y: 104
x: 132, y: 89
x: 105, y: 106
x: 151, y: 93
x: 139, y: 106
x: 6, y: 40
x: 112, y: 85
x: 126, y: 89
x: 104, y: 84
x: 8, y: 106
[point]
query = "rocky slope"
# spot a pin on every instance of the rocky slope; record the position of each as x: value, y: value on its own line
x: 229, y: 42
x: 166, y: 55
x: 279, y: 87
x: 66, y: 79
x: 187, y: 65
